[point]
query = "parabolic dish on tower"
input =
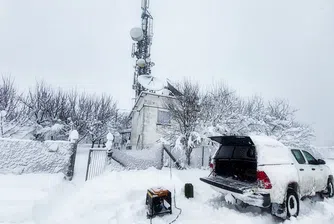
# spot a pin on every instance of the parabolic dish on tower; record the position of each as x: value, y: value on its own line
x: 150, y: 82
x: 136, y: 34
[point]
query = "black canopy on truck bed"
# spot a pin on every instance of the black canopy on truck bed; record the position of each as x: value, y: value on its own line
x: 235, y: 158
x: 233, y: 140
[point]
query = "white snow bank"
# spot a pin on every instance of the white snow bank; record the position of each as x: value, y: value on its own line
x: 116, y: 197
x: 119, y: 197
x: 18, y: 195
x: 271, y: 151
x: 26, y: 156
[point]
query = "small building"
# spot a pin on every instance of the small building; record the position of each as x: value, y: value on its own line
x: 149, y: 118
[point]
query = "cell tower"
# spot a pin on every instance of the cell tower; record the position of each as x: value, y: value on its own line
x: 141, y: 49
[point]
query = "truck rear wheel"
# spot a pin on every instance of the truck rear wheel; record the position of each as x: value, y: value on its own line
x: 292, y: 203
x: 329, y: 192
x: 330, y: 189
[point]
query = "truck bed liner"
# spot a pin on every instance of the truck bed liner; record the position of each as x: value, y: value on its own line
x: 229, y: 184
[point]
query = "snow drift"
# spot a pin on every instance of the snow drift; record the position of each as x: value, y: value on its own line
x: 26, y: 156
x: 119, y: 197
x: 20, y: 193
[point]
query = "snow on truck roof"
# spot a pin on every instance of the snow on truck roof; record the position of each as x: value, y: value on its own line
x: 269, y: 150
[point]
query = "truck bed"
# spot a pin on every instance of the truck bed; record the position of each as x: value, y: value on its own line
x: 229, y: 184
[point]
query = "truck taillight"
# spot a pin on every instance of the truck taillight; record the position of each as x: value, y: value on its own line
x: 263, y: 180
x: 212, y: 167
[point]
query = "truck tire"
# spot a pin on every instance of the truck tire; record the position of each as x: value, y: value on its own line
x: 292, y: 203
x: 329, y: 192
x: 330, y: 188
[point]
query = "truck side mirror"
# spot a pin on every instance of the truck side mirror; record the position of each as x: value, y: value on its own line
x: 321, y: 161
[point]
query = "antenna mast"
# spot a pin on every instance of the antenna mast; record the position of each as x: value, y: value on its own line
x: 141, y: 50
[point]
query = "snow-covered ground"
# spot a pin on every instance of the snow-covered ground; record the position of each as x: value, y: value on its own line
x: 119, y: 197
x: 20, y: 194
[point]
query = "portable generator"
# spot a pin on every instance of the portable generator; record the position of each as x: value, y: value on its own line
x: 158, y: 202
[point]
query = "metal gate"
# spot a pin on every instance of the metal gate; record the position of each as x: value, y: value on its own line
x: 97, y: 161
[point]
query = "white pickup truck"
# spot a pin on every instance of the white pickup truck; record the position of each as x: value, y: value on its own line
x: 261, y: 171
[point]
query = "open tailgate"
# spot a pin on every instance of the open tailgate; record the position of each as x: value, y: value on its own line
x: 229, y: 184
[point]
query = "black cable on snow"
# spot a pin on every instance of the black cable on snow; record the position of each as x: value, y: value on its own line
x: 176, y: 208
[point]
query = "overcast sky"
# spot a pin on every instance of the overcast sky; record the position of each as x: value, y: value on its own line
x: 281, y: 49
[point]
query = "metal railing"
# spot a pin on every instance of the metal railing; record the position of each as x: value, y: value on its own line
x: 97, y: 161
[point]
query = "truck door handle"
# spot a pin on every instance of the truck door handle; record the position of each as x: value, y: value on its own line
x: 301, y: 169
x: 313, y: 168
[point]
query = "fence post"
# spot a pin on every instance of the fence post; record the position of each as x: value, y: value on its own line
x: 74, y: 136
x: 88, y: 163
x: 70, y: 171
x: 202, y: 155
x: 162, y: 157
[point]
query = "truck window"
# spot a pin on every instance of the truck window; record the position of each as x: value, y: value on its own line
x: 299, y: 156
x: 310, y: 159
x: 244, y: 152
x: 224, y: 152
x: 236, y: 152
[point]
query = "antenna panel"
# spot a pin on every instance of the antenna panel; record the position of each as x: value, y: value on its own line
x: 145, y: 4
x: 136, y: 34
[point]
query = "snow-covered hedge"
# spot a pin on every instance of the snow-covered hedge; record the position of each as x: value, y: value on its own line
x: 26, y: 156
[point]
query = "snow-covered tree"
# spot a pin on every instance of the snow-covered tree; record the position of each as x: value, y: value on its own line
x: 185, y: 113
x: 224, y: 113
x: 220, y: 111
x: 47, y: 110
x: 14, y: 114
x: 280, y: 119
x: 103, y: 112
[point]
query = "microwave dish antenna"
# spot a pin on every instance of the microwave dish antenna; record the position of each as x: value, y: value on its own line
x: 136, y: 34
x: 150, y: 82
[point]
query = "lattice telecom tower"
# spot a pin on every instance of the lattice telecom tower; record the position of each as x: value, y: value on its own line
x: 141, y: 49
